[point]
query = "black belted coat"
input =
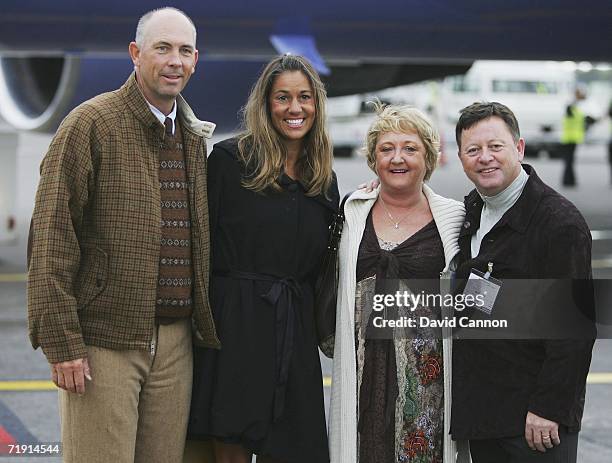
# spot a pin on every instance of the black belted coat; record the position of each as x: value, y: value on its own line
x: 264, y: 388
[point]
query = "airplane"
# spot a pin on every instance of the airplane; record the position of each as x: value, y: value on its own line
x: 54, y: 55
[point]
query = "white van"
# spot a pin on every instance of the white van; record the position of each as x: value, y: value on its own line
x: 537, y: 92
x: 349, y: 117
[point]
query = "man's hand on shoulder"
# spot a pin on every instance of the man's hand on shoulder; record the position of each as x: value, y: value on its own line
x: 540, y: 433
x: 71, y: 375
x: 369, y: 186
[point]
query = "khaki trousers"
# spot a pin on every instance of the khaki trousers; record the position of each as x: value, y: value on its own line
x: 136, y: 407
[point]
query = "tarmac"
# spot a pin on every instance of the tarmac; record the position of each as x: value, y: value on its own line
x: 28, y: 401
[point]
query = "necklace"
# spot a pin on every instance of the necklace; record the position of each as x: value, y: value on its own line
x: 394, y: 222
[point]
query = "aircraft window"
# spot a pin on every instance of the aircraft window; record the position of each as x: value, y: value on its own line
x: 525, y: 86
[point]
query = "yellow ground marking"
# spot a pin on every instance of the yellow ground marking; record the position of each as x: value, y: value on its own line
x: 592, y: 378
x: 42, y: 385
x: 13, y: 277
x: 599, y: 378
x: 27, y: 385
x: 602, y: 263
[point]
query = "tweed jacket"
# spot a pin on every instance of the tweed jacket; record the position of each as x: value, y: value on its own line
x: 448, y: 215
x: 95, y: 234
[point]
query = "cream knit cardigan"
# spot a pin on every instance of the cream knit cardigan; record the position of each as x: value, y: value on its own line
x: 448, y: 215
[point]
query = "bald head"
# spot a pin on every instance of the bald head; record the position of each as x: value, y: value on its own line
x: 154, y: 18
x: 164, y: 56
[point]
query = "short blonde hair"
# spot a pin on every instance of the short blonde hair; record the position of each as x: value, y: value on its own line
x: 403, y: 119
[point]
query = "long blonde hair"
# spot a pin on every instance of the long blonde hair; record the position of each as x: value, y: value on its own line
x: 260, y: 145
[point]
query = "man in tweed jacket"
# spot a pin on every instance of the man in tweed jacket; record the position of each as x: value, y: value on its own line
x: 95, y: 269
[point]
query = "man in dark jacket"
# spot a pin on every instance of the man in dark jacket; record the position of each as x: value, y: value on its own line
x: 118, y: 269
x: 516, y: 400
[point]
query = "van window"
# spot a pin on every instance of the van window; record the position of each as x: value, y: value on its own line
x: 461, y: 84
x: 525, y: 86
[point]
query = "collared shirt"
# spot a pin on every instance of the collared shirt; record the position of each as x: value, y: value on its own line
x: 162, y: 117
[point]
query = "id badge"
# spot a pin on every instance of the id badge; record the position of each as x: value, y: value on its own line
x: 484, y: 288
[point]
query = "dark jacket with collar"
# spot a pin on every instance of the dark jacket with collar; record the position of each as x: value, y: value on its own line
x: 95, y: 235
x: 495, y: 382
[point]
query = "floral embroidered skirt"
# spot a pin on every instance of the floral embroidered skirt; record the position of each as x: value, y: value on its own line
x: 401, y: 392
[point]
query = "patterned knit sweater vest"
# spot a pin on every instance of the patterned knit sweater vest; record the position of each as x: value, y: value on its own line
x: 174, y: 285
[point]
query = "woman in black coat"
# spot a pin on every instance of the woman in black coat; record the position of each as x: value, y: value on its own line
x: 272, y: 194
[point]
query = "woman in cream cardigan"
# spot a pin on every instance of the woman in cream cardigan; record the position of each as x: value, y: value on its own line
x: 390, y: 399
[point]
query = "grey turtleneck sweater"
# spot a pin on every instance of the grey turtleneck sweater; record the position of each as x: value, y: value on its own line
x: 496, y: 206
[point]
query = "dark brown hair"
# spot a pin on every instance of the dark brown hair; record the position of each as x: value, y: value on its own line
x: 479, y: 111
x: 261, y: 146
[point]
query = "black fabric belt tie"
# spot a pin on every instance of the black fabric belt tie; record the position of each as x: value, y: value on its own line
x: 282, y: 295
